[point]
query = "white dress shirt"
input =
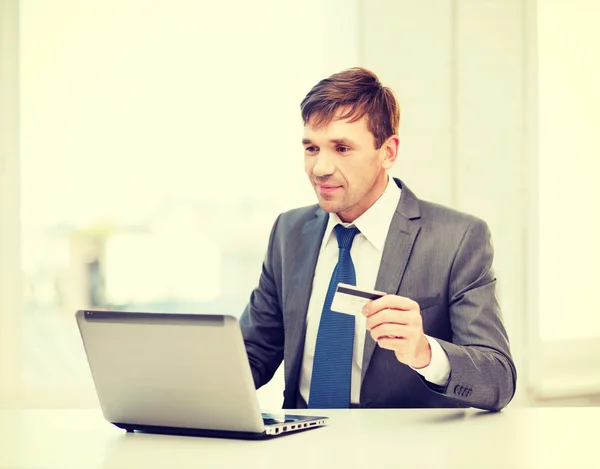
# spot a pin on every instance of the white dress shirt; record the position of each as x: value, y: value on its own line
x: 366, y: 252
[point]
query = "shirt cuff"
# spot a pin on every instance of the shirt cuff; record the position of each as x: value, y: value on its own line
x: 438, y: 370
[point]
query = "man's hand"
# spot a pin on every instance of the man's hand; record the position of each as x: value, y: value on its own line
x: 395, y: 323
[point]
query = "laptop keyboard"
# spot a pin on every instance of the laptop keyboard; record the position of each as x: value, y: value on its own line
x: 270, y: 419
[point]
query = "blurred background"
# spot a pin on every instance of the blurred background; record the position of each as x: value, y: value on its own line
x: 146, y: 148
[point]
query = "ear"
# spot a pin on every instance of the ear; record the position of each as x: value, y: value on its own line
x: 390, y: 151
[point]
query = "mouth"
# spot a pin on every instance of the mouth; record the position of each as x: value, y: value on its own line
x: 327, y: 188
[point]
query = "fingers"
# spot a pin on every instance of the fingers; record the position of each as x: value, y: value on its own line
x: 387, y: 316
x: 396, y: 324
x: 414, y: 352
x: 394, y: 316
x: 396, y: 344
x: 389, y: 302
x: 392, y: 331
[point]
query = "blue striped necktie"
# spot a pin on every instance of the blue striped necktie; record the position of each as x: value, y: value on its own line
x: 332, y: 365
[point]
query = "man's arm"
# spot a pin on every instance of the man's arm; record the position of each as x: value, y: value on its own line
x: 262, y: 322
x: 483, y: 374
x: 476, y: 368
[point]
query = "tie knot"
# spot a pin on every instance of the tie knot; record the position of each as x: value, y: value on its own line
x: 345, y: 236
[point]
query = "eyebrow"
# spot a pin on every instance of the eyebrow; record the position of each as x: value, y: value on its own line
x: 343, y: 141
x: 337, y: 141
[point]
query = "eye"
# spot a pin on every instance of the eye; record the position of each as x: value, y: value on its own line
x: 311, y: 150
x: 343, y: 149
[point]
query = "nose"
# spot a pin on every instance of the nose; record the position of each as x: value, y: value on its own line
x: 324, y: 166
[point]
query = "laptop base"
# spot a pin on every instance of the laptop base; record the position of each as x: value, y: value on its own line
x: 205, y: 433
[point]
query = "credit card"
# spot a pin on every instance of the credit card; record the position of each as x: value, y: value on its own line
x: 349, y: 299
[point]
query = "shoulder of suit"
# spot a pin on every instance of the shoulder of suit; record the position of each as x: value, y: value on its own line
x: 309, y: 211
x: 438, y: 214
x: 299, y: 216
x: 430, y: 212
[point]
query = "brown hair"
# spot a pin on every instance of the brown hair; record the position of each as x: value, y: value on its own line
x: 360, y: 90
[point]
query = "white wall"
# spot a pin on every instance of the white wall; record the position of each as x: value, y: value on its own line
x: 409, y: 45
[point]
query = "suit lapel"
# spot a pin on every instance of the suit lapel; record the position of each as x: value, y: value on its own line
x: 303, y: 264
x: 396, y: 252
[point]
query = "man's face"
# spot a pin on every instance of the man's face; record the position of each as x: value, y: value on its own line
x: 346, y: 171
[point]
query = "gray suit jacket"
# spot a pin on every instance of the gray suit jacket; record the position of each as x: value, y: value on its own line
x: 436, y: 256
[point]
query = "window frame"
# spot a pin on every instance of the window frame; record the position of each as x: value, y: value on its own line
x: 10, y: 230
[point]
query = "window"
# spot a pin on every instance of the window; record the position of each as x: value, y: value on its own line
x: 159, y: 141
x: 568, y: 332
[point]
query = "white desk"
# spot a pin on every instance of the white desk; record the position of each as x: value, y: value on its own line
x: 515, y: 438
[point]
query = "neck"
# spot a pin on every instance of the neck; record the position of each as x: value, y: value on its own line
x: 373, y: 196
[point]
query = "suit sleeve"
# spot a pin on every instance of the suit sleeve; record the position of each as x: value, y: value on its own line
x: 262, y: 322
x: 483, y: 374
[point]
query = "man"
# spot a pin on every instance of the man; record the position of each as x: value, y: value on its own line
x: 436, y: 339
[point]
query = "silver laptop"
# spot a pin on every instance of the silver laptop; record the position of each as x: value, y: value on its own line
x: 178, y: 374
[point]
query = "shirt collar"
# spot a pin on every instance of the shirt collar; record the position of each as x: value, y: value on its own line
x: 375, y: 222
